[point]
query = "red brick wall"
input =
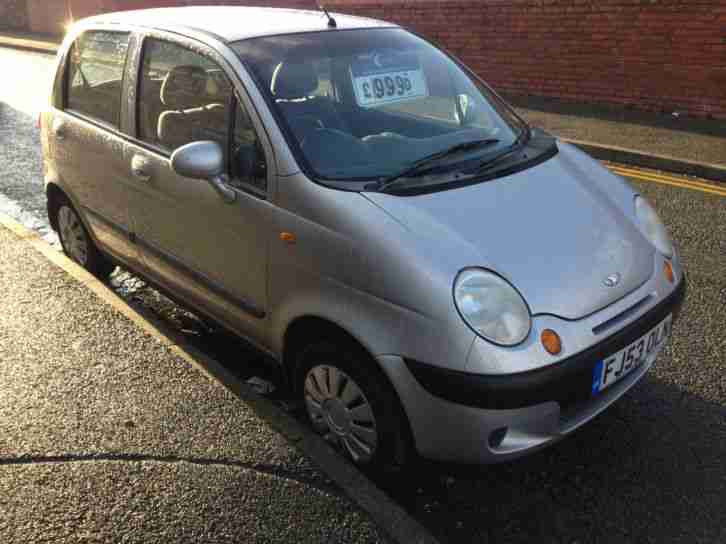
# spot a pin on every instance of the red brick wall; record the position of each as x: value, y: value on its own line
x: 661, y: 55
x: 13, y: 15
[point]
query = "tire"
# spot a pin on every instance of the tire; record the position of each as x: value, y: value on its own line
x: 76, y: 242
x: 349, y: 401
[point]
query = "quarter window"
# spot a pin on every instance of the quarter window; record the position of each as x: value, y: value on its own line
x: 96, y: 65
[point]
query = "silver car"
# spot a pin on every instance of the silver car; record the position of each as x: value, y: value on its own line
x: 430, y: 274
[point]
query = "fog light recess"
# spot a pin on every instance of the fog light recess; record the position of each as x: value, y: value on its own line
x: 496, y: 437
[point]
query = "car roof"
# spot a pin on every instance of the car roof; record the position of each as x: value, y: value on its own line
x: 232, y: 23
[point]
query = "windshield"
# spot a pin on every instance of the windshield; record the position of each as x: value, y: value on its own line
x: 367, y: 104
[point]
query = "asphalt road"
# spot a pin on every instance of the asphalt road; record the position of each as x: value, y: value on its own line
x: 650, y: 469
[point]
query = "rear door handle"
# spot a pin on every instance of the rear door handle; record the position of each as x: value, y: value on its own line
x: 140, y: 168
x: 59, y: 129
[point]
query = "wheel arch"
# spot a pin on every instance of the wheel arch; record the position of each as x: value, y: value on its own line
x: 55, y: 193
x: 54, y: 196
x: 304, y: 330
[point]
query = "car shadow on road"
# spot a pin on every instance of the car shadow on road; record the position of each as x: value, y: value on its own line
x: 650, y: 468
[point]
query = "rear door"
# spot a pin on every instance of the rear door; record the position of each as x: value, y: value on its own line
x: 86, y: 136
x: 210, y: 253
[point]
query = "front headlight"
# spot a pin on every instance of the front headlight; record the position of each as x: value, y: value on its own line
x: 652, y: 227
x: 491, y: 307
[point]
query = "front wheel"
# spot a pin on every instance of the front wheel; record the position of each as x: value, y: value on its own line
x: 350, y: 402
x: 77, y: 244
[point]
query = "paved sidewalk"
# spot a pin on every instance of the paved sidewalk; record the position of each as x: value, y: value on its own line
x: 696, y: 140
x: 107, y: 434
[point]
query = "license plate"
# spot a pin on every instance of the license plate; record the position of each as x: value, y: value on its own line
x: 618, y: 365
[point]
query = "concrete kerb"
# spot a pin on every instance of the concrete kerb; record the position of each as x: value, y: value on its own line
x: 29, y: 44
x: 388, y: 515
x: 665, y: 163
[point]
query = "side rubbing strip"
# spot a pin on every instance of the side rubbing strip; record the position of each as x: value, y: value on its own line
x: 112, y: 224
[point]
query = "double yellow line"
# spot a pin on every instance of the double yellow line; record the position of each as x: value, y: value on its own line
x: 669, y: 180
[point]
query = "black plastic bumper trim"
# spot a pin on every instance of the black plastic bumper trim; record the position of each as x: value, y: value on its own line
x: 567, y: 382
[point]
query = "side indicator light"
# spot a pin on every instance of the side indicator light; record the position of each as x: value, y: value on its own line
x: 551, y: 341
x: 288, y: 237
x: 668, y: 271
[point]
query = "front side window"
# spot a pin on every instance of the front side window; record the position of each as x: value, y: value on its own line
x: 183, y: 97
x: 94, y: 78
x: 365, y: 104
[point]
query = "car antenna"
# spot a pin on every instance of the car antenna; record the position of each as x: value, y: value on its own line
x: 331, y: 21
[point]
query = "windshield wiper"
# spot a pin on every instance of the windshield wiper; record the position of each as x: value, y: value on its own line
x: 421, y: 166
x: 518, y: 144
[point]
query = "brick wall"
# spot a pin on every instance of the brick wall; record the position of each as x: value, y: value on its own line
x: 13, y: 15
x: 660, y: 55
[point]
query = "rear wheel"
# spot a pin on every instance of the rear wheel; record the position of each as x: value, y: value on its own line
x: 76, y: 242
x: 350, y: 402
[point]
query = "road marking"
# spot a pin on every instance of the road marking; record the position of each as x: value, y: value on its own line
x: 665, y: 177
x: 670, y: 180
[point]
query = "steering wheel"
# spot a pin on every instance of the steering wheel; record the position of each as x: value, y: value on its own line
x: 304, y: 125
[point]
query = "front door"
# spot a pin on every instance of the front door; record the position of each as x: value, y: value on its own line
x: 209, y: 252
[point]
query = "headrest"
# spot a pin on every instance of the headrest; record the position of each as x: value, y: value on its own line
x: 184, y: 87
x: 218, y: 88
x: 293, y: 80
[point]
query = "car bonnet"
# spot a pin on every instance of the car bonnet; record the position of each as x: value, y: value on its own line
x: 561, y: 232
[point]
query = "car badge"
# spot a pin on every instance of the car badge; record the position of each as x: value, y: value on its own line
x: 612, y: 280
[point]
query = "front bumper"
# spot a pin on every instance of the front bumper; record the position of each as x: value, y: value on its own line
x: 459, y: 416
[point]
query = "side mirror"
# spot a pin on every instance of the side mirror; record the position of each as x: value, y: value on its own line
x: 203, y: 160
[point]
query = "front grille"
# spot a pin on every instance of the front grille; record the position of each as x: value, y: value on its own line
x: 602, y: 327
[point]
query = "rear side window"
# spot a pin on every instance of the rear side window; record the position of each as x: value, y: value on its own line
x: 95, y: 73
x: 183, y: 97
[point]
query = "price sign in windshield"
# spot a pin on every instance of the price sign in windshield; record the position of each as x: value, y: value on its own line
x: 382, y: 78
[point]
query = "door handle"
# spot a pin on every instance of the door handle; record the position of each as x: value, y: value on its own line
x: 140, y: 168
x: 59, y: 129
